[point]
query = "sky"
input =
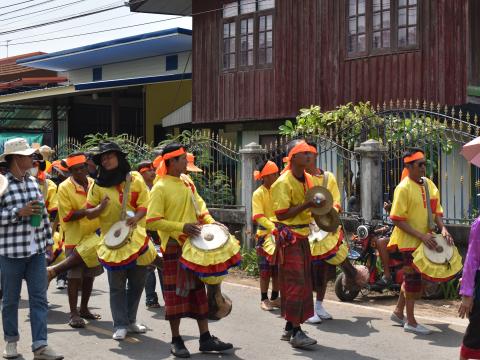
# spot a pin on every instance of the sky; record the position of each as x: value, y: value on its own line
x: 18, y: 14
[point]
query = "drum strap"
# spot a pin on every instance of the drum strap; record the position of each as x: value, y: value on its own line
x: 325, y: 179
x: 192, y: 195
x: 126, y: 191
x: 431, y: 222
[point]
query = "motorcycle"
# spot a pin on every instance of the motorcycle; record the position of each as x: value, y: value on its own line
x: 363, y: 251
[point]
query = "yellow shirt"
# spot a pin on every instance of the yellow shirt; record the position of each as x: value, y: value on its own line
x: 332, y: 186
x: 137, y: 200
x: 49, y: 192
x: 171, y: 207
x: 409, y: 204
x: 288, y: 192
x: 262, y: 210
x: 72, y: 197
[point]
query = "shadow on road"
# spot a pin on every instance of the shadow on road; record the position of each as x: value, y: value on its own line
x: 445, y: 337
x: 359, y: 326
x: 320, y: 352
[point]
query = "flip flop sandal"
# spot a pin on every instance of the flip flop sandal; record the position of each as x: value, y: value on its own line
x: 90, y: 316
x: 76, y: 324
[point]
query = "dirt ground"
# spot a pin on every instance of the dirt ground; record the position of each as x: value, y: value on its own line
x: 432, y: 308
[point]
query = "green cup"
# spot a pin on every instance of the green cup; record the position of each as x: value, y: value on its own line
x: 36, y: 220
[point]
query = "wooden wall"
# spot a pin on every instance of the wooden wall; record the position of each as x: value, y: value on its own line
x: 311, y: 66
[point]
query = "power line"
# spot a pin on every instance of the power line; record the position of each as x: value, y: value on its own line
x: 20, y: 3
x: 40, y: 11
x: 61, y: 20
x: 27, y: 7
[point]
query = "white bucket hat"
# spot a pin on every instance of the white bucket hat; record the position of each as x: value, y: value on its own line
x: 3, y: 184
x: 17, y: 146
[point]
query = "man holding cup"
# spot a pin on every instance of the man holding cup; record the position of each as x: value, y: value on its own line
x: 25, y: 236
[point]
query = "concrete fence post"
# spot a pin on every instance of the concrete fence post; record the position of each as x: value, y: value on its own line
x: 371, y: 193
x: 250, y: 155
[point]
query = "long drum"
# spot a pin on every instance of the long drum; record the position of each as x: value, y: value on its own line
x: 118, y: 235
x: 219, y: 305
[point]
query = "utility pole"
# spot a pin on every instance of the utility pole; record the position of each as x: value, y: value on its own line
x: 7, y: 41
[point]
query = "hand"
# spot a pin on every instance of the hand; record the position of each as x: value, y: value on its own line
x: 447, y: 236
x: 466, y: 306
x: 429, y: 241
x: 192, y: 229
x: 104, y: 203
x: 32, y: 208
x: 132, y: 221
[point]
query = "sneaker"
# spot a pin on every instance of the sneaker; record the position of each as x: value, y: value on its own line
x: 214, y: 344
x: 315, y: 319
x: 396, y: 319
x: 287, y: 335
x: 301, y: 340
x: 419, y: 329
x: 119, y: 334
x: 46, y: 353
x: 266, y: 305
x: 178, y: 349
x: 137, y: 328
x: 10, y: 351
x: 61, y: 284
x: 276, y: 303
x: 322, y: 313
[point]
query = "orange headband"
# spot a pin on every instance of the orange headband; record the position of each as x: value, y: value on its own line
x: 299, y: 148
x: 269, y: 168
x: 57, y: 164
x: 76, y: 160
x: 160, y: 160
x: 414, y: 157
x: 314, y: 149
x: 191, y: 163
x: 145, y: 169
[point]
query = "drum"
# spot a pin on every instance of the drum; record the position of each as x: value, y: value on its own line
x: 316, y: 234
x: 3, y: 184
x: 439, y: 264
x: 219, y: 305
x: 118, y: 235
x: 211, y: 254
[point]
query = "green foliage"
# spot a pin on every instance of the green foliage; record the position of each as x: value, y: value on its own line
x: 250, y: 262
x: 451, y: 289
x: 214, y: 188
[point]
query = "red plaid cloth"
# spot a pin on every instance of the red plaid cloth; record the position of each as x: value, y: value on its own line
x: 267, y: 270
x: 195, y: 304
x: 412, y: 280
x: 296, y: 282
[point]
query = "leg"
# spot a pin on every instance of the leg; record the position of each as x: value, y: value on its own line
x: 160, y: 279
x: 87, y: 287
x: 36, y: 278
x: 136, y: 283
x: 384, y: 256
x: 117, y: 281
x: 410, y: 307
x: 202, y: 326
x: 400, y: 303
x: 12, y: 274
x: 265, y: 275
x: 151, y: 298
x: 72, y: 287
x: 71, y: 261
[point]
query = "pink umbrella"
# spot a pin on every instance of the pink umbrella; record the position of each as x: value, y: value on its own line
x: 471, y: 151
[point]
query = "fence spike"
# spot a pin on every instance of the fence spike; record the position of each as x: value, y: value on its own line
x: 391, y: 104
x: 460, y: 114
x: 431, y: 106
x: 439, y: 107
x: 453, y: 111
x: 417, y: 104
x: 424, y: 105
x: 410, y: 103
x: 398, y: 103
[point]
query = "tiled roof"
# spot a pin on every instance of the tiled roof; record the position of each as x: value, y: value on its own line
x: 8, y: 66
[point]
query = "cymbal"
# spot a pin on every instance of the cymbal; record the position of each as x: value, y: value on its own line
x: 320, y: 194
x: 328, y: 222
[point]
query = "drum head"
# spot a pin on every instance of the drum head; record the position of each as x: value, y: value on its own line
x: 442, y: 253
x: 118, y: 235
x: 316, y: 234
x: 212, y: 237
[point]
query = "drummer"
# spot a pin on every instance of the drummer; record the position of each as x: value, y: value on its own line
x: 263, y: 215
x: 172, y: 213
x: 410, y: 216
x: 77, y: 228
x: 127, y: 264
x: 329, y: 252
x: 293, y: 249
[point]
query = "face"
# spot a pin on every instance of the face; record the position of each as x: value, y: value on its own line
x: 417, y: 169
x: 311, y: 166
x: 23, y: 162
x: 179, y: 164
x: 79, y: 172
x: 303, y: 159
x: 109, y: 160
x: 149, y: 175
x: 91, y: 166
x: 268, y: 180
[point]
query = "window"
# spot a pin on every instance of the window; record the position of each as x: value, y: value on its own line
x: 171, y: 62
x: 246, y: 42
x: 229, y: 44
x: 265, y: 39
x: 97, y: 74
x: 248, y: 33
x: 407, y: 23
x: 379, y: 26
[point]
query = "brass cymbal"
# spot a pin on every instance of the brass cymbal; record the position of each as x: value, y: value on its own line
x: 320, y: 194
x: 328, y: 222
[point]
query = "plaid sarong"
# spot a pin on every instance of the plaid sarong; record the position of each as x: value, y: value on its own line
x: 320, y: 270
x: 471, y: 341
x: 412, y: 280
x: 195, y: 304
x: 267, y: 270
x: 295, y: 278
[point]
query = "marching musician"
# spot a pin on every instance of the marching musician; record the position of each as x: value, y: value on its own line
x: 263, y: 215
x: 172, y: 212
x: 293, y: 249
x: 77, y: 228
x: 409, y: 214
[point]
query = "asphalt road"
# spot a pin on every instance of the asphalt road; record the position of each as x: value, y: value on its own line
x: 357, y: 332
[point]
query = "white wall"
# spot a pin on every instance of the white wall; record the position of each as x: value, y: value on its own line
x: 152, y: 66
